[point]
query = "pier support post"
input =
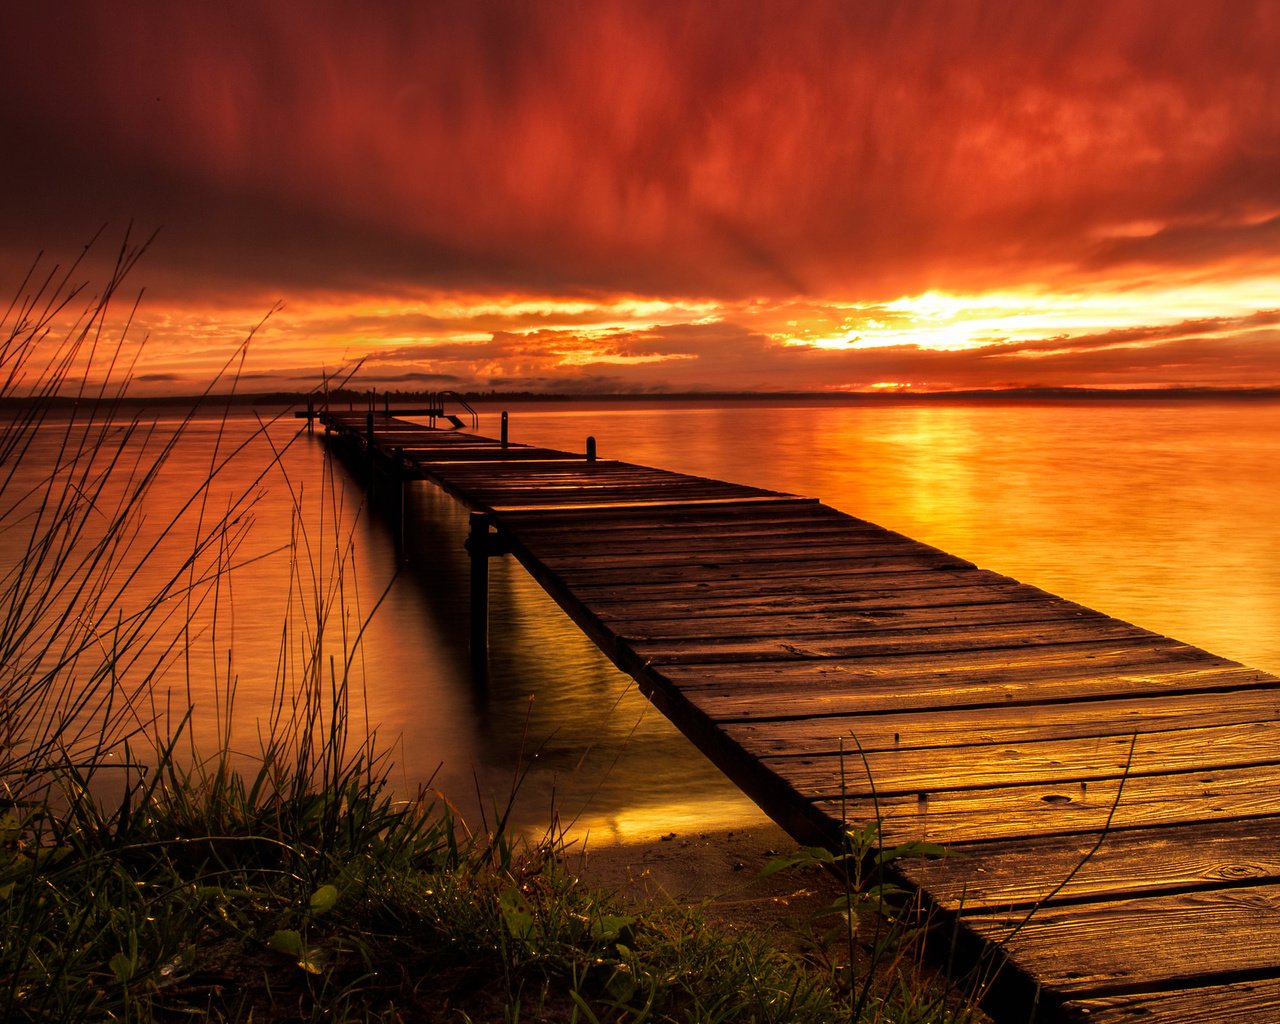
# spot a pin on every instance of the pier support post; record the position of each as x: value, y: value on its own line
x: 505, y: 443
x: 401, y: 478
x: 481, y: 545
x: 591, y: 449
x: 478, y: 546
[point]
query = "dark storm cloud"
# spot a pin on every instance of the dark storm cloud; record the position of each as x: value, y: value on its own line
x: 863, y: 149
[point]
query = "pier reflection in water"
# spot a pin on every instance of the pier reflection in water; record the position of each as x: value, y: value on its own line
x: 554, y: 718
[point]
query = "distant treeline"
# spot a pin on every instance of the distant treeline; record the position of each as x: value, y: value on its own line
x: 343, y: 396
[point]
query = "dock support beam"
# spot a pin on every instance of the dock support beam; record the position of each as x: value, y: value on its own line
x: 481, y: 545
x: 478, y: 546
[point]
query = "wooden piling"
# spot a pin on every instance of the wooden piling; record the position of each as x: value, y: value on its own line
x: 591, y: 449
x: 478, y: 547
x: 506, y: 443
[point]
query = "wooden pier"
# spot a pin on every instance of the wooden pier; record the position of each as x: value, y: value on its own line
x: 1110, y: 797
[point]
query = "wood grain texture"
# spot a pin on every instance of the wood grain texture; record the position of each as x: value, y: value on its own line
x: 1084, y: 759
x: 1234, y: 1003
x: 1127, y: 863
x: 1149, y: 941
x: 1064, y: 805
x: 1023, y: 723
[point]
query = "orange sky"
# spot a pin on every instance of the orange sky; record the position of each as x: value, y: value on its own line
x: 647, y: 196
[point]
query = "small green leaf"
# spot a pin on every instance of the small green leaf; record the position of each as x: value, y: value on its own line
x: 805, y: 855
x: 515, y: 914
x: 122, y: 966
x: 323, y: 899
x: 608, y: 927
x: 621, y: 986
x: 883, y: 891
x: 915, y: 848
x: 287, y: 941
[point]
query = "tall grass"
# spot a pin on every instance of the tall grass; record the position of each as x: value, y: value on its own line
x: 147, y: 875
x: 110, y: 807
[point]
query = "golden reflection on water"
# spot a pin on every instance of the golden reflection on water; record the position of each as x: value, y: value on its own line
x: 1157, y: 512
x: 1161, y: 513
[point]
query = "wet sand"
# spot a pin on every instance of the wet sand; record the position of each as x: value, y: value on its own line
x: 716, y: 870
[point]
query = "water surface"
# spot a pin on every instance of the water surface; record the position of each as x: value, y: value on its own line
x: 1156, y: 512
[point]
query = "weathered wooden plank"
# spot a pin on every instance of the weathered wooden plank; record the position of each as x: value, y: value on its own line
x: 774, y: 540
x: 1009, y: 812
x: 786, y: 622
x: 528, y: 521
x: 487, y: 456
x: 427, y: 438
x: 711, y: 570
x: 774, y: 690
x: 673, y: 502
x: 884, y: 643
x: 1256, y: 1001
x: 1019, y: 724
x: 1078, y: 760
x: 638, y: 609
x: 584, y: 493
x: 800, y: 557
x: 550, y: 474
x: 703, y: 526
x: 848, y: 580
x: 550, y: 478
x: 794, y: 530
x: 1153, y: 941
x: 604, y: 495
x: 1128, y: 863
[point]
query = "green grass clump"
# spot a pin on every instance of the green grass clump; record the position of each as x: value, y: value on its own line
x: 390, y: 912
x: 144, y: 879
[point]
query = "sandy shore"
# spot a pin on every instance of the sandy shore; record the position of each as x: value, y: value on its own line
x: 717, y: 870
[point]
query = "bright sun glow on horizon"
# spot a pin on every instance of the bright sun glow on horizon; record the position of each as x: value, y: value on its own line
x: 942, y: 321
x: 531, y: 342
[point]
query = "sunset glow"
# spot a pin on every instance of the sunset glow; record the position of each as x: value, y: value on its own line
x: 837, y: 199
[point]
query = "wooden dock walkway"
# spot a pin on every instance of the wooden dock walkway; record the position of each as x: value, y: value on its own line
x: 1124, y: 785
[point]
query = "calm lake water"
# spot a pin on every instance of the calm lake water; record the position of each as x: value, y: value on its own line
x: 1162, y: 513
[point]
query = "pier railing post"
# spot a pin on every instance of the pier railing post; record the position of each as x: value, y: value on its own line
x: 504, y: 429
x: 478, y: 547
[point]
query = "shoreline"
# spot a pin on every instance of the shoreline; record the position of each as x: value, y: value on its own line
x: 717, y: 870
